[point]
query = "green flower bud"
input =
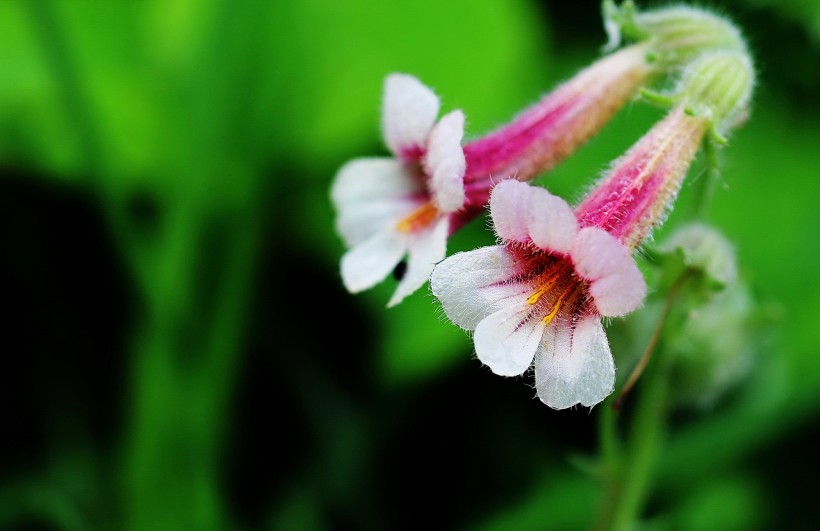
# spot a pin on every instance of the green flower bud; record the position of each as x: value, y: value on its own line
x: 713, y: 349
x: 704, y: 249
x: 676, y: 34
x: 718, y: 85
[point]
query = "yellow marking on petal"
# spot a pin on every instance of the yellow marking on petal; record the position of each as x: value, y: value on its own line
x: 567, y: 294
x: 545, y: 287
x: 420, y: 217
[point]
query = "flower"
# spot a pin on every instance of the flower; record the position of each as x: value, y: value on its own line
x: 409, y: 205
x: 541, y: 295
x: 392, y: 207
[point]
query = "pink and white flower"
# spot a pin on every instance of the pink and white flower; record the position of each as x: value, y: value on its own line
x: 410, y: 204
x: 541, y: 295
x: 389, y: 207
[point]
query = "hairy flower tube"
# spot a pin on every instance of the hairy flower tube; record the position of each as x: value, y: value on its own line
x: 540, y: 295
x: 410, y: 204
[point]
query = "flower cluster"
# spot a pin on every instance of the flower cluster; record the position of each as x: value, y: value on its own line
x: 539, y: 296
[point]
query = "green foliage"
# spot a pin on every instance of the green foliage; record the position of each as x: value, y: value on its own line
x: 208, y: 132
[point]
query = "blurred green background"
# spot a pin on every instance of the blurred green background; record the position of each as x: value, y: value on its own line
x: 180, y: 353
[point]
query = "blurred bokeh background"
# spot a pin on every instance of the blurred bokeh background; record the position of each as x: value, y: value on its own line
x: 179, y: 353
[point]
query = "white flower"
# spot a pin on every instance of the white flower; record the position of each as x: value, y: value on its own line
x: 392, y: 207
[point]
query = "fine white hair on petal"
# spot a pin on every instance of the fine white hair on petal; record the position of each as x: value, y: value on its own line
x: 509, y: 202
x: 474, y: 284
x: 425, y: 249
x: 616, y: 283
x: 506, y: 340
x: 550, y: 221
x: 369, y: 194
x: 410, y: 110
x: 368, y: 263
x: 445, y: 162
x: 574, y: 366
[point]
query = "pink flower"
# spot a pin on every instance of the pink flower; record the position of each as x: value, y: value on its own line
x: 541, y: 295
x: 409, y: 205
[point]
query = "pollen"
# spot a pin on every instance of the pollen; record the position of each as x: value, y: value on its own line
x: 421, y: 217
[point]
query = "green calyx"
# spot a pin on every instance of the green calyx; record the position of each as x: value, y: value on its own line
x: 717, y: 85
x: 677, y: 34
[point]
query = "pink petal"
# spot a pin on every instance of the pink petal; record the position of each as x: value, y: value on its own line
x: 410, y: 110
x: 445, y: 163
x: 550, y: 221
x: 506, y: 341
x: 574, y: 366
x: 616, y: 283
x: 509, y: 202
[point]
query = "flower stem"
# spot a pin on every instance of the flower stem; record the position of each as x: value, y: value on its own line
x: 628, y: 470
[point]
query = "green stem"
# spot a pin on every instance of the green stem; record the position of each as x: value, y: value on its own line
x: 628, y: 472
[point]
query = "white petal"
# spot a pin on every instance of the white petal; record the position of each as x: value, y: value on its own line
x: 368, y: 263
x: 616, y: 283
x: 356, y: 225
x: 550, y: 221
x: 445, y: 162
x: 509, y: 202
x: 475, y: 284
x: 573, y: 371
x: 370, y: 194
x: 366, y: 179
x: 426, y: 248
x: 410, y: 110
x: 506, y: 341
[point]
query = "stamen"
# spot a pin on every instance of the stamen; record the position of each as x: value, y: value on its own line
x: 420, y: 217
x: 566, y: 294
x: 545, y: 287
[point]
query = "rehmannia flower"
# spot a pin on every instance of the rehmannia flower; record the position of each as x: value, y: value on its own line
x: 540, y: 295
x: 410, y: 204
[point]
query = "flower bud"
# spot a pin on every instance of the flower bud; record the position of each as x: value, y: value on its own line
x: 718, y: 85
x: 676, y: 33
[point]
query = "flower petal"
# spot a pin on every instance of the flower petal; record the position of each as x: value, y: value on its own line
x: 506, y: 341
x: 369, y: 262
x: 445, y: 162
x: 410, y: 110
x: 426, y: 248
x: 365, y: 179
x: 370, y: 194
x: 475, y: 284
x: 574, y: 366
x: 616, y: 283
x: 551, y: 224
x: 509, y: 202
